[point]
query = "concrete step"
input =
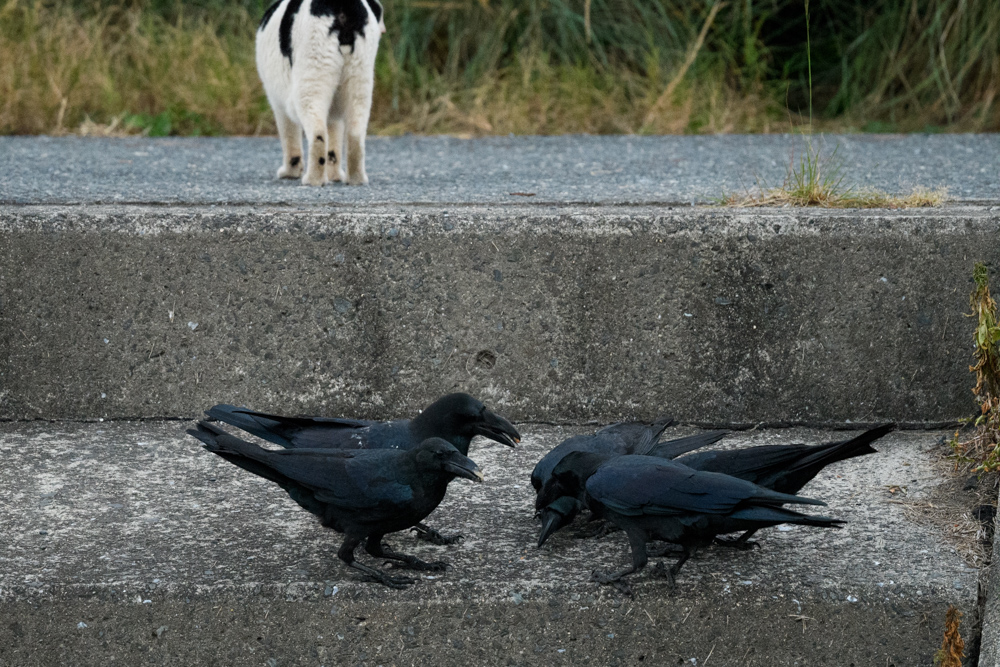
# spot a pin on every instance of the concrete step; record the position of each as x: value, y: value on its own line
x: 562, y: 313
x: 126, y: 543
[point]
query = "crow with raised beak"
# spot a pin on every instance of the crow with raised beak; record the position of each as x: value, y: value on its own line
x: 363, y: 494
x: 456, y: 418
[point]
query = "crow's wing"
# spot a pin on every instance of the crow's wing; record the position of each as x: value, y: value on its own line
x: 350, y: 480
x: 316, y: 432
x: 784, y: 468
x: 752, y: 464
x: 637, y: 485
x: 674, y: 448
x: 631, y: 433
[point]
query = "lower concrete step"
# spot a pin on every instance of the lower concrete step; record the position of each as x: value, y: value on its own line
x: 126, y: 543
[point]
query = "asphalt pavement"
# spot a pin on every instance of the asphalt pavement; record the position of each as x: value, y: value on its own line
x: 497, y: 170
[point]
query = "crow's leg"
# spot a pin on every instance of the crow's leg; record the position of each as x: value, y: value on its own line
x: 425, y: 532
x: 599, y: 529
x: 671, y: 572
x: 346, y: 554
x: 379, y: 549
x: 742, y: 542
x: 637, y: 540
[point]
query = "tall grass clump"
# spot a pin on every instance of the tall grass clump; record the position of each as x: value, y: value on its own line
x: 62, y: 65
x: 982, y: 448
x: 522, y: 66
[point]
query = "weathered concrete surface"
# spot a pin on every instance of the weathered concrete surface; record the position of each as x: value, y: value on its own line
x: 548, y: 313
x: 445, y: 170
x: 113, y: 531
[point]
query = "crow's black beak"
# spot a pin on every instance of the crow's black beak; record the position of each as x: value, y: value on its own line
x: 556, y: 516
x: 463, y: 466
x: 496, y: 428
x: 551, y: 522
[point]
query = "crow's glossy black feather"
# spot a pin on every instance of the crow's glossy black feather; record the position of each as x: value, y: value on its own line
x: 620, y: 438
x: 784, y: 468
x: 456, y: 418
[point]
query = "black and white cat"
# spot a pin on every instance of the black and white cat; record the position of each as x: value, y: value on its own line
x: 316, y: 59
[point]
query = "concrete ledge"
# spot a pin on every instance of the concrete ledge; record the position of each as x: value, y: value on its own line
x: 114, y: 531
x: 551, y: 313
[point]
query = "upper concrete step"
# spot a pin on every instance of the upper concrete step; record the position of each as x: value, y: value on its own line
x: 130, y: 542
x: 494, y: 171
x: 601, y: 300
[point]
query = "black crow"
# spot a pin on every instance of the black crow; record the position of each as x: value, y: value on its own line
x: 361, y: 493
x: 656, y: 499
x: 620, y: 438
x: 456, y: 418
x: 782, y: 468
x: 614, y: 440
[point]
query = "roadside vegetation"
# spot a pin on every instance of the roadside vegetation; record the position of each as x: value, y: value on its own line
x: 980, y: 446
x: 815, y: 179
x: 474, y: 67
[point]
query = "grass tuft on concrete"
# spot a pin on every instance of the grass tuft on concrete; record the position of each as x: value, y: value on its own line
x: 814, y: 179
x: 982, y: 449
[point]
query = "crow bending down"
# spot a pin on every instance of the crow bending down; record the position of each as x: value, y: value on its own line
x: 781, y: 468
x: 656, y: 499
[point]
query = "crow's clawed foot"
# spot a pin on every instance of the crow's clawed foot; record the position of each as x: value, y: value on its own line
x: 428, y: 534
x: 413, y: 563
x: 665, y: 550
x: 615, y: 580
x: 600, y: 530
x: 740, y: 545
x: 667, y: 572
x: 406, y: 561
x: 399, y: 583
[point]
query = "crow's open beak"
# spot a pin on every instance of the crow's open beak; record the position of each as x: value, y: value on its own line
x: 463, y: 466
x: 498, y: 429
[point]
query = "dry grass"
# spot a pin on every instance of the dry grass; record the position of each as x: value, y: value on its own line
x: 475, y: 67
x: 952, y: 646
x: 62, y: 72
x: 831, y: 198
x: 949, y: 508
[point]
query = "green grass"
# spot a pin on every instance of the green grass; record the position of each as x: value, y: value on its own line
x: 522, y: 66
